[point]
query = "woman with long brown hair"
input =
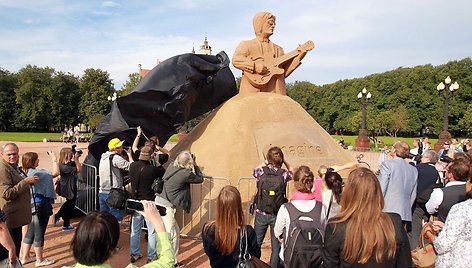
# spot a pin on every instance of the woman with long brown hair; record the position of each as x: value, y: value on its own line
x: 362, y: 235
x: 69, y: 167
x: 221, y: 237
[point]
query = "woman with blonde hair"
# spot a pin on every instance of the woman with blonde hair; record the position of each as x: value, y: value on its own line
x: 221, y: 237
x: 362, y: 235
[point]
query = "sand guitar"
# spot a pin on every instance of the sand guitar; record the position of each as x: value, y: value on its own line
x: 274, y: 65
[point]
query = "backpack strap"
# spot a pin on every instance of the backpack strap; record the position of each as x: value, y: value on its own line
x: 329, y: 207
x: 110, y: 158
x: 295, y: 213
x: 266, y: 170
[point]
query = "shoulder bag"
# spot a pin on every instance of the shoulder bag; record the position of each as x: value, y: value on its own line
x: 423, y: 256
x: 117, y: 197
x: 245, y: 259
x: 7, y: 264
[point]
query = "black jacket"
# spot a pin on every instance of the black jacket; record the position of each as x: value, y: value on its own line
x: 230, y: 261
x: 428, y: 179
x: 334, y: 240
x: 143, y: 174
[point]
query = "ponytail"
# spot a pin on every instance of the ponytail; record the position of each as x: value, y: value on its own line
x: 334, y: 182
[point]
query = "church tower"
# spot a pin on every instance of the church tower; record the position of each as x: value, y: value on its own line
x: 205, y: 48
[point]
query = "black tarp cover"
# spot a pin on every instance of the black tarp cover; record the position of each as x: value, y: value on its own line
x: 175, y: 91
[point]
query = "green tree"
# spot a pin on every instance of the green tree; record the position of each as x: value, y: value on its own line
x: 399, y: 120
x: 95, y: 87
x: 64, y: 96
x: 466, y: 121
x: 8, y: 106
x: 34, y: 110
x: 130, y: 84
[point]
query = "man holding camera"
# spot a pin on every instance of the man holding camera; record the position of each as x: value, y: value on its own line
x: 112, y: 165
x: 142, y: 174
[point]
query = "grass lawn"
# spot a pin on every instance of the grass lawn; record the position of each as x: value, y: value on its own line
x: 351, y: 140
x: 29, y: 136
x: 39, y: 136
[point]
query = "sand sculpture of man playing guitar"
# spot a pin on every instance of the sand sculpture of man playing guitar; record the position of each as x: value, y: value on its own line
x: 264, y: 63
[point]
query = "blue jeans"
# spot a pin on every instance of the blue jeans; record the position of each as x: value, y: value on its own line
x: 135, y: 239
x: 118, y: 213
x: 261, y: 223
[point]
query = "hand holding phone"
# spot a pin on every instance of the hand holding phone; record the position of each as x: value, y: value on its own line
x: 137, y: 205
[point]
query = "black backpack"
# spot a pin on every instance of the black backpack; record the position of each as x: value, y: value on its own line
x: 270, y: 191
x: 304, y: 241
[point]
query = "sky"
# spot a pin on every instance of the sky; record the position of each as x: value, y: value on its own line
x: 353, y: 38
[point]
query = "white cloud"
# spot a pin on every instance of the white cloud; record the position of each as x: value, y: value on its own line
x: 110, y: 4
x: 353, y: 38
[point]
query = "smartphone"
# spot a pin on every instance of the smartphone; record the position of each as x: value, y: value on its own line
x: 136, y: 205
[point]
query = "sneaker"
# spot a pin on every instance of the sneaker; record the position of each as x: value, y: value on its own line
x: 135, y: 258
x: 28, y: 260
x: 44, y: 262
x: 179, y: 264
x: 68, y: 228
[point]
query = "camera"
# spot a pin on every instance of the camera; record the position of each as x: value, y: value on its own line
x: 136, y: 205
x: 445, y: 159
x: 75, y: 150
x: 416, y: 157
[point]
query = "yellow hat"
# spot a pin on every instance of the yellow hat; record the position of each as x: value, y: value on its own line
x: 114, y: 143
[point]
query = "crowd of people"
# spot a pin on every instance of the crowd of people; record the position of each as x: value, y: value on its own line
x: 364, y: 220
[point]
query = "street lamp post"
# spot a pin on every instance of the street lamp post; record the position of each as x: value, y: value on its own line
x: 445, y: 89
x: 362, y: 141
x: 113, y: 97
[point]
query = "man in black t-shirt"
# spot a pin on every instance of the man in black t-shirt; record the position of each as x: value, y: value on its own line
x: 142, y: 174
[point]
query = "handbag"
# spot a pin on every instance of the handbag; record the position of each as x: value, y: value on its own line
x: 423, y: 256
x: 245, y: 259
x: 157, y: 185
x: 117, y: 197
x: 7, y: 264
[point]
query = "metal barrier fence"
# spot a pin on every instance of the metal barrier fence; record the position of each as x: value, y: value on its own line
x: 203, y: 205
x: 247, y: 188
x: 87, y: 189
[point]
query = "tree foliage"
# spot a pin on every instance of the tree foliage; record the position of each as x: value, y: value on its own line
x: 8, y: 106
x: 404, y: 100
x: 130, y: 84
x: 95, y: 88
x: 34, y: 96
